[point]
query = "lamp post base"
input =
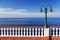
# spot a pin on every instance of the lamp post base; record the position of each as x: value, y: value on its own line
x: 45, y: 26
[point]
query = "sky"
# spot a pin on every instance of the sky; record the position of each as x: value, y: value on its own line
x: 28, y: 8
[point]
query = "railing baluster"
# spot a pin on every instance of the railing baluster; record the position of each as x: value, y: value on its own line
x: 24, y: 31
x: 29, y: 31
x: 42, y: 32
x: 18, y: 31
x: 35, y: 31
x: 59, y: 31
x: 32, y: 31
x: 56, y: 31
x: 1, y: 31
x: 38, y: 31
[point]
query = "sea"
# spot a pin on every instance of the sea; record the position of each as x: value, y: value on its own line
x: 29, y: 21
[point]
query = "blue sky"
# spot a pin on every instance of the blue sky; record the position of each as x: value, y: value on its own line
x: 27, y: 8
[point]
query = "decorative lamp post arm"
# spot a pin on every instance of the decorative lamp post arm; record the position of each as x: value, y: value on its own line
x: 51, y: 10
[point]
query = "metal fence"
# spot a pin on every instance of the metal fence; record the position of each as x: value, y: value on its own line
x: 28, y: 32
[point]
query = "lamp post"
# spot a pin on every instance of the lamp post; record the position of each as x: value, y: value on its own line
x: 45, y: 10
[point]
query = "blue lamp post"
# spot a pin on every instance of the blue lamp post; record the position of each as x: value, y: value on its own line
x: 46, y: 11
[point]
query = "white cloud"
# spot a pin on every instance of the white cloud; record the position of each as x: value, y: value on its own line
x: 5, y: 9
x: 11, y: 11
x: 23, y: 13
x: 21, y: 10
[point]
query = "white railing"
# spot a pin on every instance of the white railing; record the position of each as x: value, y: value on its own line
x: 21, y: 32
x: 29, y: 32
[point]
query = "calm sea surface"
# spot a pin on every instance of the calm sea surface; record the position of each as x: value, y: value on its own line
x: 29, y: 21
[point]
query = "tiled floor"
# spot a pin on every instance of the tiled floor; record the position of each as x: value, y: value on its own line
x: 30, y: 38
x: 24, y: 38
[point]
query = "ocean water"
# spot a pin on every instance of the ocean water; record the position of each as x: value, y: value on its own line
x: 29, y: 21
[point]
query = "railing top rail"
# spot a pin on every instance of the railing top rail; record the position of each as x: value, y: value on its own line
x: 29, y: 27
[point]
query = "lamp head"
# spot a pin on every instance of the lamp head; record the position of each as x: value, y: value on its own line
x: 41, y: 10
x: 51, y: 10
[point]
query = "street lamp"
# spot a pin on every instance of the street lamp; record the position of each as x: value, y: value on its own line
x: 45, y: 10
